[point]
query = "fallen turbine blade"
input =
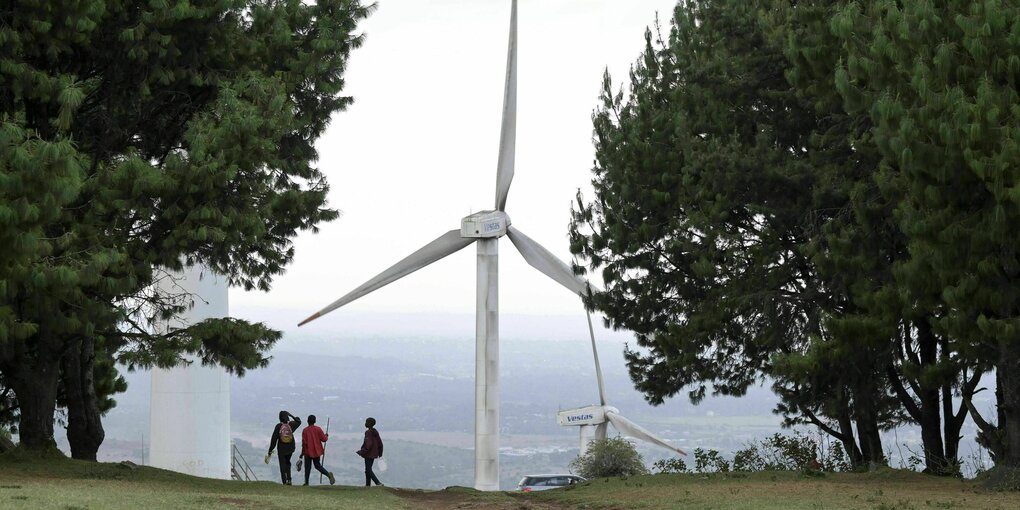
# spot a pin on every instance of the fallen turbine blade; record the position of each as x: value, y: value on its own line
x: 508, y: 131
x: 444, y: 245
x: 631, y: 429
x: 541, y: 259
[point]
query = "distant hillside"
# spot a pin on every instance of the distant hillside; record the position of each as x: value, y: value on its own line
x: 421, y: 390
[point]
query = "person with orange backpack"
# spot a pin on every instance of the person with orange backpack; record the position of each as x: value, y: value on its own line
x: 283, y: 442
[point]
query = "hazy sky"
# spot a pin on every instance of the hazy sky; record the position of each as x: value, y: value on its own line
x: 417, y: 150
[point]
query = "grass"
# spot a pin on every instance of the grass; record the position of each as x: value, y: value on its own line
x: 882, y: 490
x: 66, y: 484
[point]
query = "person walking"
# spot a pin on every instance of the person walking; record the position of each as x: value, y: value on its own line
x: 283, y: 442
x: 312, y: 449
x: 371, y: 449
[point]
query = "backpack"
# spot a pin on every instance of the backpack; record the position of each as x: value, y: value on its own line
x: 286, y: 433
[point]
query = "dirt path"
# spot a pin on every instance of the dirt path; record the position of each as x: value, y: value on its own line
x: 461, y: 499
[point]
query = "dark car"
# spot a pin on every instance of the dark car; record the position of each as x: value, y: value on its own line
x: 545, y: 482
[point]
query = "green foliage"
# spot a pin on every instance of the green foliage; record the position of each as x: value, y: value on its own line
x: 6, y: 441
x: 799, y: 452
x: 608, y: 458
x: 672, y: 465
x: 938, y: 83
x: 234, y: 344
x: 720, y: 191
x: 140, y: 137
x: 820, y: 194
x: 709, y: 461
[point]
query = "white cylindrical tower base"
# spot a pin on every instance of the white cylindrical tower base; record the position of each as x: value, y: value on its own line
x: 189, y: 418
x: 587, y: 433
x: 487, y: 368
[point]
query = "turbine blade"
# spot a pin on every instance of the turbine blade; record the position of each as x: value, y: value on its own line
x: 541, y: 259
x: 598, y: 366
x: 508, y: 131
x: 444, y: 245
x: 631, y: 429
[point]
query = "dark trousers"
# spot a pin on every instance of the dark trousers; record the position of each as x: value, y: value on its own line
x: 318, y: 465
x: 369, y: 475
x: 285, y: 466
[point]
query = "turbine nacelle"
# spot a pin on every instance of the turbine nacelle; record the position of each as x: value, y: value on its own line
x: 592, y: 421
x: 589, y: 415
x: 485, y: 224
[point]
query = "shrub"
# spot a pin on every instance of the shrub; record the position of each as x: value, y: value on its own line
x: 6, y: 442
x: 709, y: 461
x: 832, y: 456
x: 609, y: 457
x: 674, y: 465
x: 799, y: 452
x: 749, y: 459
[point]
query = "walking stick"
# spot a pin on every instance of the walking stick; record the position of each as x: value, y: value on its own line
x: 324, y: 450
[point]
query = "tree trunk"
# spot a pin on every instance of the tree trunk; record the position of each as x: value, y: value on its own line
x: 36, y: 389
x: 846, y: 428
x: 931, y: 408
x: 868, y: 432
x: 952, y: 424
x: 1008, y: 392
x: 84, y: 419
x: 871, y: 441
x: 954, y: 419
x: 988, y: 435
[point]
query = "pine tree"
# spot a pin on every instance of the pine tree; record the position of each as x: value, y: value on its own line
x: 139, y: 137
x: 710, y: 214
x: 939, y: 83
x: 867, y: 253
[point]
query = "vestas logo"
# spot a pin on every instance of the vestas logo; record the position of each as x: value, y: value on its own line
x: 493, y: 226
x: 579, y: 417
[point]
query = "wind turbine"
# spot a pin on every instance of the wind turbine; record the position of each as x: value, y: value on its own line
x: 484, y: 228
x: 592, y: 421
x: 192, y: 397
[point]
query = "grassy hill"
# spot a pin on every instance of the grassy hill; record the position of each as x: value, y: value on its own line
x: 71, y: 485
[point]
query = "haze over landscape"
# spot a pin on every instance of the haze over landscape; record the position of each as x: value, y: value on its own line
x: 415, y: 374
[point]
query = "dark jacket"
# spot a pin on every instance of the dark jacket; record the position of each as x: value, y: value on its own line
x: 372, y: 447
x: 285, y: 448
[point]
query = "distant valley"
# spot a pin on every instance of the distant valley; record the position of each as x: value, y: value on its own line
x: 420, y: 389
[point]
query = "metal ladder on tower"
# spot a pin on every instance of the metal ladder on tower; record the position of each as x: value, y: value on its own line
x: 239, y: 468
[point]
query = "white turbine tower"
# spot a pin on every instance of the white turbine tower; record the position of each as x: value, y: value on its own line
x: 593, y: 421
x: 189, y: 416
x: 485, y: 228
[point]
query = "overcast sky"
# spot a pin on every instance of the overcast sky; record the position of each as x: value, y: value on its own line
x: 417, y: 151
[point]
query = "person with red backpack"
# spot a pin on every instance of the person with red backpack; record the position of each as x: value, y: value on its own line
x: 283, y: 442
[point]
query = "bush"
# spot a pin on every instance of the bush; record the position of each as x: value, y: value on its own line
x: 799, y: 452
x: 674, y: 465
x: 609, y: 457
x: 6, y: 442
x: 709, y: 461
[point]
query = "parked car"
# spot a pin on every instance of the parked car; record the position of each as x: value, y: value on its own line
x: 545, y: 482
